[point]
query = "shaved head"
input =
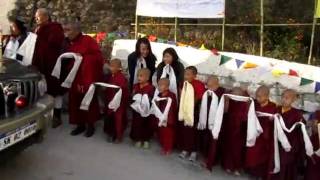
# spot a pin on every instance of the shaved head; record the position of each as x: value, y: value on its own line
x: 165, y: 81
x: 288, y: 98
x: 238, y: 91
x: 116, y: 62
x: 144, y: 72
x: 42, y: 16
x: 262, y: 95
x: 292, y: 93
x: 263, y: 90
x: 213, y: 78
x: 43, y: 11
x: 213, y: 82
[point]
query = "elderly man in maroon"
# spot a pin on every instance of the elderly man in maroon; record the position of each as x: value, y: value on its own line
x: 90, y: 71
x: 47, y: 50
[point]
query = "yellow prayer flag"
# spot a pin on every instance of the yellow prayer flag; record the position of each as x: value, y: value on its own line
x: 277, y: 73
x: 181, y: 44
x: 249, y: 65
x: 203, y: 47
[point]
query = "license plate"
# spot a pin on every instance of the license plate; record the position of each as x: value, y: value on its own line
x: 13, y: 137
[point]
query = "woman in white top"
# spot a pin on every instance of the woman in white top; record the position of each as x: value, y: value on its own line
x: 20, y: 45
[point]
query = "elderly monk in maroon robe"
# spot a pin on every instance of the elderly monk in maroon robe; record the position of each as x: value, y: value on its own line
x: 90, y: 71
x: 115, y: 123
x: 259, y: 157
x: 235, y: 133
x: 47, y: 50
x: 290, y: 161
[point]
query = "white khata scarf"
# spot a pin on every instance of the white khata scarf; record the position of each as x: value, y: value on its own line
x: 318, y: 152
x: 11, y: 48
x: 307, y: 142
x: 141, y: 63
x: 168, y: 70
x: 114, y: 104
x: 278, y: 135
x: 203, y: 117
x: 141, y: 104
x: 71, y: 76
x: 186, y: 109
x: 26, y: 50
x: 254, y: 128
x: 162, y: 116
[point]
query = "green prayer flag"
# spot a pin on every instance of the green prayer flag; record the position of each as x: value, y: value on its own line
x: 224, y: 59
x: 305, y: 81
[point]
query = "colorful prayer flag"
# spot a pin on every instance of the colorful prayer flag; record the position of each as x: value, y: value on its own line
x: 181, y: 44
x: 141, y: 35
x: 215, y: 51
x: 293, y: 73
x: 239, y: 63
x: 317, y: 87
x: 203, y: 47
x: 305, y: 81
x: 160, y: 40
x: 224, y: 59
x: 152, y: 38
x: 277, y: 73
x: 249, y: 65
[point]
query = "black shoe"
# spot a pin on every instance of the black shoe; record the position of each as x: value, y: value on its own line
x: 78, y: 130
x: 89, y: 132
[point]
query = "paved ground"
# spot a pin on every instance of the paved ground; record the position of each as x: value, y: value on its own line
x: 63, y: 157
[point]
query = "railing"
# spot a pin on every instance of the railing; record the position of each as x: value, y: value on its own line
x: 224, y: 24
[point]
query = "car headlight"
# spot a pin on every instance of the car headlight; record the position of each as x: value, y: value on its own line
x: 42, y: 86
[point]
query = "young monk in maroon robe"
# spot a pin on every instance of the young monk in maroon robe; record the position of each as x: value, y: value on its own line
x: 313, y: 163
x: 259, y: 156
x: 167, y: 132
x: 141, y: 126
x: 189, y: 134
x: 210, y: 144
x: 290, y: 161
x: 90, y: 71
x: 235, y: 133
x: 114, y: 125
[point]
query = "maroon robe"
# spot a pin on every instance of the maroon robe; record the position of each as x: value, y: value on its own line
x: 167, y: 134
x: 259, y: 157
x: 189, y: 134
x: 141, y: 128
x: 90, y: 71
x: 235, y: 134
x: 207, y: 138
x: 291, y: 161
x: 50, y: 38
x: 116, y: 121
x: 313, y: 165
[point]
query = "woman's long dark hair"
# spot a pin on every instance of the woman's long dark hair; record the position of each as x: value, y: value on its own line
x: 20, y: 25
x: 143, y: 41
x: 175, y: 60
